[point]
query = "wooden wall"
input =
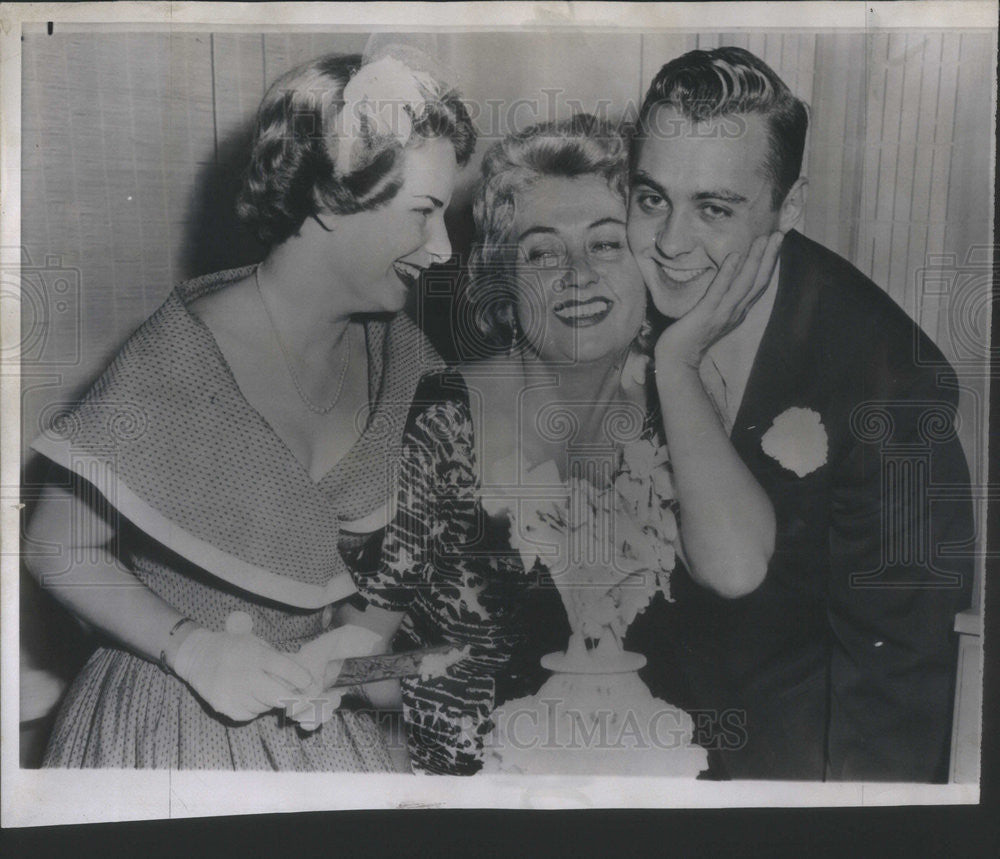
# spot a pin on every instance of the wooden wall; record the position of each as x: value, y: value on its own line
x: 133, y: 142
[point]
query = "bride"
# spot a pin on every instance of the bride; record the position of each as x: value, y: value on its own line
x: 564, y: 393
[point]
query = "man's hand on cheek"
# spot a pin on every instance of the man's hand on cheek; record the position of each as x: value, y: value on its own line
x: 739, y: 282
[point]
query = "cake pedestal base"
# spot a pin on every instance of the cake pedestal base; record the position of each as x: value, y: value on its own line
x: 620, y: 663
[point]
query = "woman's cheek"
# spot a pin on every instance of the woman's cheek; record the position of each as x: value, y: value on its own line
x: 403, y: 233
x: 628, y: 284
x: 533, y: 289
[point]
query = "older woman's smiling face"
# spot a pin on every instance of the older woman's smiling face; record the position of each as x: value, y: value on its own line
x: 580, y: 293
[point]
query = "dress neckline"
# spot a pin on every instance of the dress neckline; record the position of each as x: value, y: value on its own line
x: 374, y: 339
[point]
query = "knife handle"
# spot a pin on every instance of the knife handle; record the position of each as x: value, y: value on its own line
x: 367, y: 669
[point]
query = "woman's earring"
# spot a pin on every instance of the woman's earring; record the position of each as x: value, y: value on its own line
x: 515, y: 337
x: 645, y: 339
x: 318, y: 221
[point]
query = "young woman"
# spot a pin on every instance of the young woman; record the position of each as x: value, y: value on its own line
x: 240, y: 444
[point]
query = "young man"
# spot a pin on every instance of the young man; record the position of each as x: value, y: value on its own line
x: 841, y: 664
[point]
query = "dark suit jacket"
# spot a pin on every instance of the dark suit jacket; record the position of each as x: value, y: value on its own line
x: 841, y: 665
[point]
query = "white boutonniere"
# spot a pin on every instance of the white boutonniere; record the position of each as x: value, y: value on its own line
x: 797, y: 439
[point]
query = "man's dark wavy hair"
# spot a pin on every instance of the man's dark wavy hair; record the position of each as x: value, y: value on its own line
x: 727, y: 81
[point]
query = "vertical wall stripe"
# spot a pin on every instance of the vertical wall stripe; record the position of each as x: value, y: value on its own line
x: 263, y: 66
x: 215, y: 102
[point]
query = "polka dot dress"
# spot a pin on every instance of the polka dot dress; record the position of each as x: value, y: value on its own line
x: 169, y: 420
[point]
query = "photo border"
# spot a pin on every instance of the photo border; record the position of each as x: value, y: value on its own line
x: 36, y: 797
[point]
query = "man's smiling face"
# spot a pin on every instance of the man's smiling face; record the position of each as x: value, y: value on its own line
x: 699, y: 192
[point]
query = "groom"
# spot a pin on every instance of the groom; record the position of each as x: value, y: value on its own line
x: 841, y: 664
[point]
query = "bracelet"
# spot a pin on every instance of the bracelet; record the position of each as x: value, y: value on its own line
x: 163, y: 652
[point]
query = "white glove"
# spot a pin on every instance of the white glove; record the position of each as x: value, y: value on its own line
x: 238, y: 675
x: 323, y: 657
x: 314, y: 708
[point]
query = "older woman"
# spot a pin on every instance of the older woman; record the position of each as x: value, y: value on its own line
x: 562, y: 302
x: 239, y: 444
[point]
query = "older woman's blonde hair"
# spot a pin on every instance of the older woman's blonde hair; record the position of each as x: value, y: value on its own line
x: 291, y: 175
x: 583, y: 145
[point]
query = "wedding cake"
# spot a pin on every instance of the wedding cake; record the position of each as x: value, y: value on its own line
x: 608, y: 551
x: 595, y: 720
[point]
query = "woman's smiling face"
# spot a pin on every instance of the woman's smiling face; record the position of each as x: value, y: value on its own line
x: 580, y: 295
x: 379, y: 255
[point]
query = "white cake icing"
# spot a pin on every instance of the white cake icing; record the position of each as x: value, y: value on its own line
x: 595, y: 716
x: 593, y: 724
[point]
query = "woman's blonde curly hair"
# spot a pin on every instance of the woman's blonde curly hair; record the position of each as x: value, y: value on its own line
x: 583, y: 145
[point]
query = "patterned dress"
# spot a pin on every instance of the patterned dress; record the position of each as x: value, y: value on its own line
x: 449, y: 566
x: 222, y: 518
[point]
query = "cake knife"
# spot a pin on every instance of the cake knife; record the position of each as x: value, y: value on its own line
x: 388, y: 666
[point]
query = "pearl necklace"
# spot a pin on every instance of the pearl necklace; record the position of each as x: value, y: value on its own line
x: 306, y: 400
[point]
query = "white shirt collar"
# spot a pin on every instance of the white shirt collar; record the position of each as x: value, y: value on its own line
x: 733, y: 354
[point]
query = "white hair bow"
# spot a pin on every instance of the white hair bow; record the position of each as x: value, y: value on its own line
x: 381, y: 101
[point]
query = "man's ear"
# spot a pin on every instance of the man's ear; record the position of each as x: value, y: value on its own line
x: 793, y: 206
